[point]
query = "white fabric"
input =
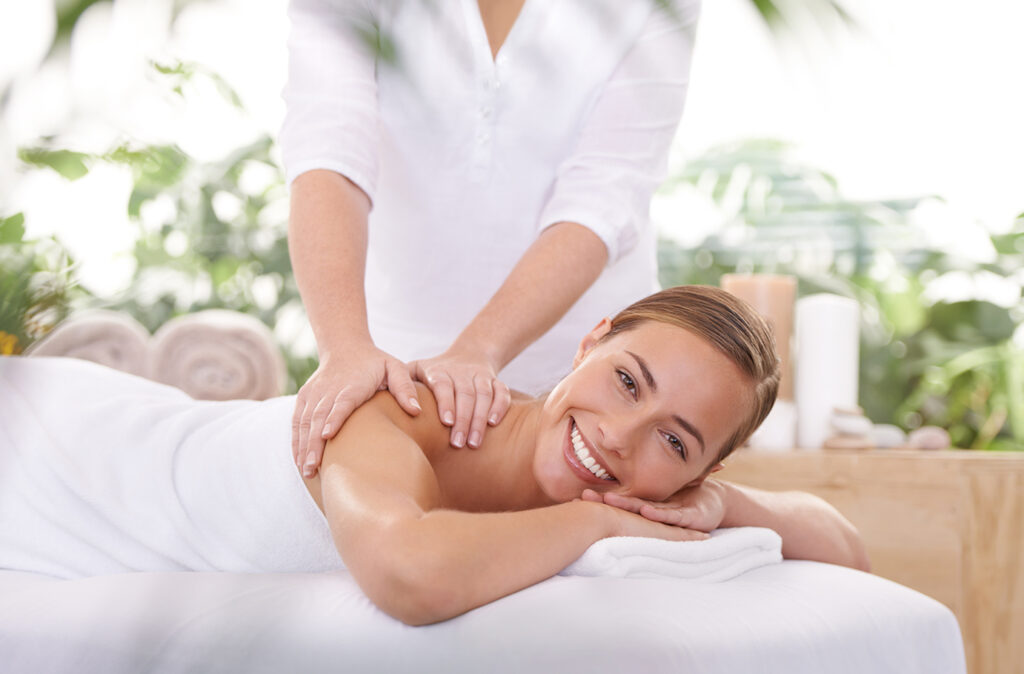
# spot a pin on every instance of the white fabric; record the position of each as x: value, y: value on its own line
x: 105, y: 472
x: 211, y: 486
x: 792, y: 618
x: 727, y: 554
x: 467, y: 158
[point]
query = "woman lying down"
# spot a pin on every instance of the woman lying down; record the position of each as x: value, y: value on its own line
x: 102, y: 472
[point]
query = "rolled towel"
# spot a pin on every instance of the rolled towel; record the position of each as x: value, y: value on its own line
x: 727, y: 554
x: 105, y: 337
x: 218, y: 355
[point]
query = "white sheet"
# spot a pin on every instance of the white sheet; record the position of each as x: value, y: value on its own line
x: 793, y: 617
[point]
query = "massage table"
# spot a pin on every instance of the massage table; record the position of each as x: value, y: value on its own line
x: 792, y: 616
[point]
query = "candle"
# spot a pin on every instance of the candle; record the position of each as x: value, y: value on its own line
x: 774, y: 297
x: 827, y: 345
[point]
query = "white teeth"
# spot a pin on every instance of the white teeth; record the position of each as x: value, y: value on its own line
x: 583, y: 454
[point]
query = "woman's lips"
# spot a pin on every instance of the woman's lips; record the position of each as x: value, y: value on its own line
x: 574, y: 463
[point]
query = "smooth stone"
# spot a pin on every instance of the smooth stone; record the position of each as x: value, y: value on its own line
x: 888, y: 436
x: 929, y: 437
x: 851, y: 424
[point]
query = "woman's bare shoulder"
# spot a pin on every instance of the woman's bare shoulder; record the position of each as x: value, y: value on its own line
x: 425, y: 428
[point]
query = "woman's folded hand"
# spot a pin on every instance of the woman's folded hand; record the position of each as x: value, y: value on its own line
x: 344, y: 380
x: 701, y: 507
x: 468, y: 392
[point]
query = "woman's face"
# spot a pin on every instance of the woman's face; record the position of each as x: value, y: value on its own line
x: 643, y: 413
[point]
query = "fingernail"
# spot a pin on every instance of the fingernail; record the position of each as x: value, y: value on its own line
x: 310, y: 466
x: 459, y: 439
x: 448, y: 418
x: 326, y: 432
x: 493, y: 421
x: 415, y: 403
x: 474, y: 439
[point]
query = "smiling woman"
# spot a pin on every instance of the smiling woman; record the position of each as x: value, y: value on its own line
x: 623, y: 446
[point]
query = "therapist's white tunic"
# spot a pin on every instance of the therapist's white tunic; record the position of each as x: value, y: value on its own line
x: 467, y: 158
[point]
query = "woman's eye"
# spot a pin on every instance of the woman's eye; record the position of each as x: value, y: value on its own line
x: 676, y: 444
x: 628, y: 382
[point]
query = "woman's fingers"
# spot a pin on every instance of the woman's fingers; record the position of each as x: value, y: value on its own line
x: 678, y: 517
x: 465, y: 402
x: 675, y: 515
x: 630, y: 503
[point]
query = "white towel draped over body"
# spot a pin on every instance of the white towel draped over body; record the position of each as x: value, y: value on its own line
x: 103, y: 472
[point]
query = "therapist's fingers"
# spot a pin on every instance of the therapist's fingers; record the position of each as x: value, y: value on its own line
x: 440, y: 384
x: 399, y: 382
x: 500, y: 403
x: 314, y: 437
x: 300, y: 407
x: 484, y: 397
x: 465, y: 403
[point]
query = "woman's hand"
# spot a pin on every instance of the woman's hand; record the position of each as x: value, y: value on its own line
x: 701, y: 507
x: 629, y: 523
x: 338, y: 386
x: 468, y: 392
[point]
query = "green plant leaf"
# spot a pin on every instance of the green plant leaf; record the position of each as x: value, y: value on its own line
x: 12, y: 229
x: 71, y: 165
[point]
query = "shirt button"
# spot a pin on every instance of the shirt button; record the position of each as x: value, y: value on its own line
x: 485, y: 112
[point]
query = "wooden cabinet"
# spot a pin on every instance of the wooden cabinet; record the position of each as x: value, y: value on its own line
x: 949, y: 524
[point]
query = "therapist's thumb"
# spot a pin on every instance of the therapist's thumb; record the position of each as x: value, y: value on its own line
x: 401, y: 387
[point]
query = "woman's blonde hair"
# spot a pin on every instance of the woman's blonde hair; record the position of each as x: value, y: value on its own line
x: 730, y: 325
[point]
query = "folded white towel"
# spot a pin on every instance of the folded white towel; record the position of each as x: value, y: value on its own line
x: 727, y: 554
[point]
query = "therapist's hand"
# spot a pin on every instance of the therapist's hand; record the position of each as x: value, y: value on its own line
x: 340, y: 384
x: 468, y: 392
x: 701, y: 507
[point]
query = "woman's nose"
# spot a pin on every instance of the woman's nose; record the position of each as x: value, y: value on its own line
x: 617, y: 433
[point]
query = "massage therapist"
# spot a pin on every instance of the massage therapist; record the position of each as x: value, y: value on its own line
x: 470, y: 184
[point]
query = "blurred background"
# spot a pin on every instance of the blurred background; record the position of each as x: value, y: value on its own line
x: 873, y: 150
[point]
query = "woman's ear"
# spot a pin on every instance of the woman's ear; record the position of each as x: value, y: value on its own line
x: 590, y: 341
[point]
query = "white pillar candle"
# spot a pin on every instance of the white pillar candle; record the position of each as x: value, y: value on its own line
x: 827, y: 357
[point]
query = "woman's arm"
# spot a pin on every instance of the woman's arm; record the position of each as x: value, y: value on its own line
x: 809, y: 526
x: 423, y: 564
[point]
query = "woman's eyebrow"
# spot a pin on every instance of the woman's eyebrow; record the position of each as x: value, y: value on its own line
x: 645, y: 371
x: 649, y: 378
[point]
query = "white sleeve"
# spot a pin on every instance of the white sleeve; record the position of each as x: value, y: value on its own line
x: 621, y: 156
x: 331, y: 120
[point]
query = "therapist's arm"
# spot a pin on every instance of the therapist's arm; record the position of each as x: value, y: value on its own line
x: 327, y: 237
x: 552, y: 274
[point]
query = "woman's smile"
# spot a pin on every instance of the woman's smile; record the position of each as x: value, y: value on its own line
x: 584, y: 459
